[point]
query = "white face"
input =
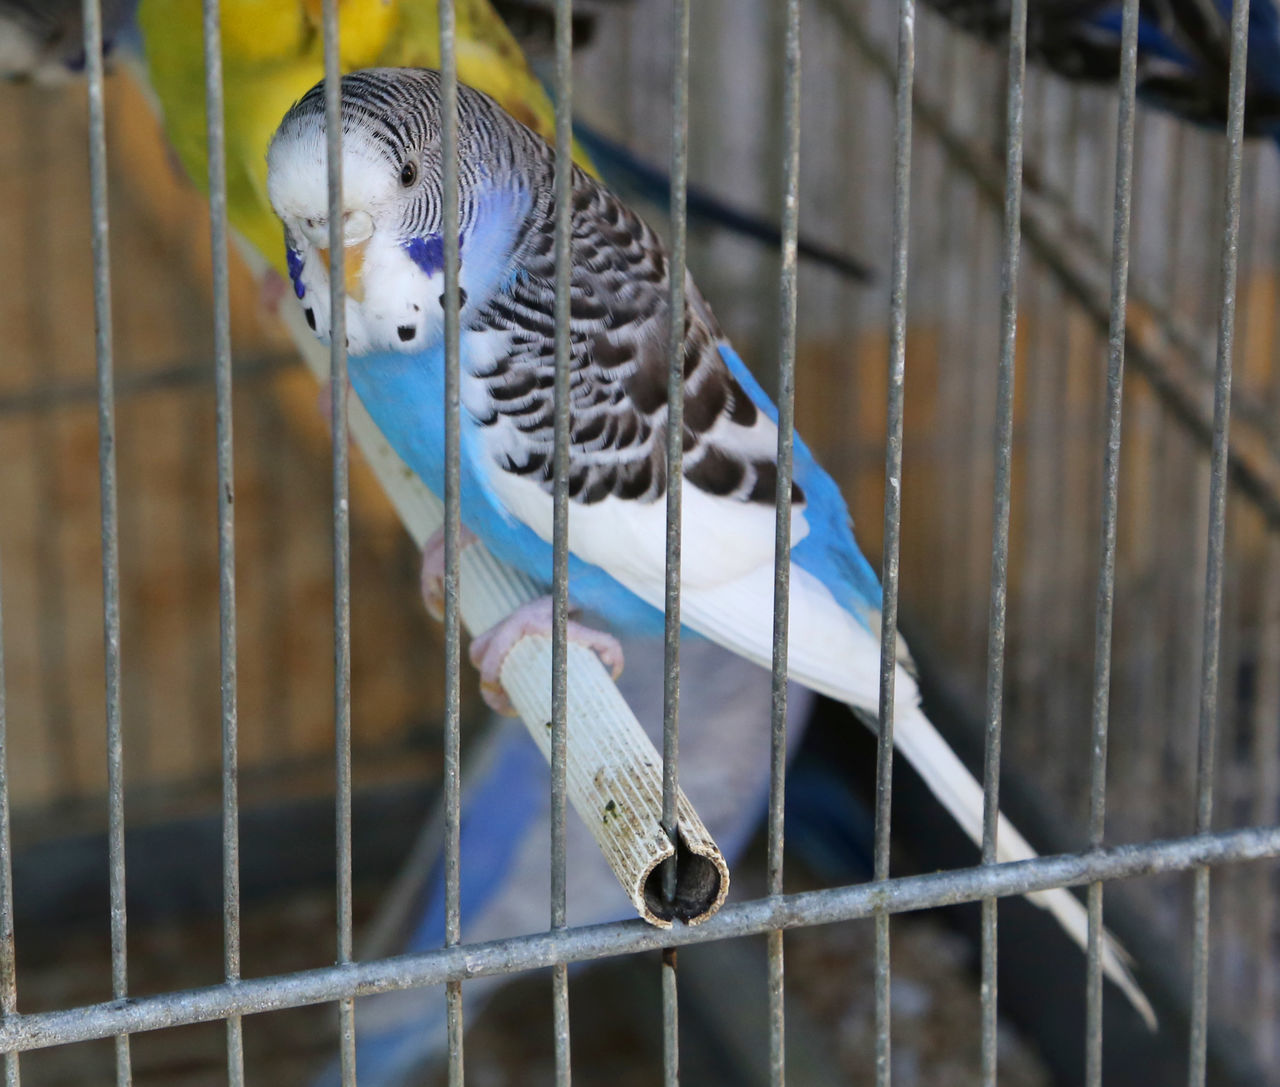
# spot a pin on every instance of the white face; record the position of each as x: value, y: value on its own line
x: 394, y: 286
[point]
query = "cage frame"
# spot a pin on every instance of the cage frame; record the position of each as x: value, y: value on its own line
x: 777, y: 912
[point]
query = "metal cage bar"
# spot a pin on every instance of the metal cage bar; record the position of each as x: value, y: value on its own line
x: 675, y: 477
x: 452, y: 530
x: 787, y: 284
x: 1009, y: 264
x: 1103, y: 624
x: 92, y: 14
x: 772, y: 915
x: 1215, y: 558
x: 518, y: 954
x: 560, y: 526
x: 338, y: 392
x: 904, y: 82
x: 214, y: 123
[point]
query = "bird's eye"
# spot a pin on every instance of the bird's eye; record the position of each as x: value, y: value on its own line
x: 408, y: 173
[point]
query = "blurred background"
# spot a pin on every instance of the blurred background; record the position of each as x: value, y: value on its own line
x: 49, y: 539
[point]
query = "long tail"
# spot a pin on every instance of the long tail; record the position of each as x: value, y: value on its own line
x: 832, y: 653
x: 950, y: 781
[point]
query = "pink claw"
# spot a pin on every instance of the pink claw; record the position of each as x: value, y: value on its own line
x: 490, y: 649
x: 432, y: 576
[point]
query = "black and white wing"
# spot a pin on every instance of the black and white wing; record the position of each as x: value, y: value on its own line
x: 619, y: 343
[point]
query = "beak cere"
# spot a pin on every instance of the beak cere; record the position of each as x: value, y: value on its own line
x: 352, y: 268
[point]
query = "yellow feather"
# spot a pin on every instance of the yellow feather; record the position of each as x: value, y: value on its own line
x: 262, y: 30
x: 365, y: 28
x: 273, y: 53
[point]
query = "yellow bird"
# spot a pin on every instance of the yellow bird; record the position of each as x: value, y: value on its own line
x: 273, y: 53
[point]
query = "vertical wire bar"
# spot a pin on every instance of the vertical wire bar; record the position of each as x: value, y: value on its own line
x: 8, y: 956
x: 452, y: 533
x: 675, y: 478
x: 905, y: 79
x: 341, y: 526
x: 226, y: 523
x: 1210, y: 647
x: 560, y: 524
x: 452, y: 529
x: 1000, y: 514
x: 675, y: 436
x: 782, y: 526
x: 110, y: 517
x: 1103, y: 623
x: 670, y: 1018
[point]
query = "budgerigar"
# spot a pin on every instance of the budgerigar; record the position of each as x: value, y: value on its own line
x: 1184, y: 50
x: 617, y: 479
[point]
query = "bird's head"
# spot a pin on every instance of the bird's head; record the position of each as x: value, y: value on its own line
x: 392, y: 196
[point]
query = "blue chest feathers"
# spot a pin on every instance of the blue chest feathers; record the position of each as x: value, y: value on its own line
x: 405, y: 396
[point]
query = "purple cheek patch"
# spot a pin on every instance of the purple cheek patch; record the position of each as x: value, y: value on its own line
x: 294, y: 261
x: 427, y: 253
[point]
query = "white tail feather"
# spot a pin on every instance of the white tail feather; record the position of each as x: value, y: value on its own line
x: 950, y: 781
x: 834, y: 655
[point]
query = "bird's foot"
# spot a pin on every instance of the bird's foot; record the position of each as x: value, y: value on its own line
x: 490, y: 649
x: 432, y: 577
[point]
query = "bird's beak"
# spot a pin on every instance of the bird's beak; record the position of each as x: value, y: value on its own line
x: 352, y: 268
x: 357, y: 229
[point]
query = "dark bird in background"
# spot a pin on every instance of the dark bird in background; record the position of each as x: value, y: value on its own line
x: 1184, y: 50
x: 43, y: 40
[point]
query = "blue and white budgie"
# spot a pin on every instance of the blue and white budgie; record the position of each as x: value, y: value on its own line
x: 618, y: 330
x: 1184, y: 50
